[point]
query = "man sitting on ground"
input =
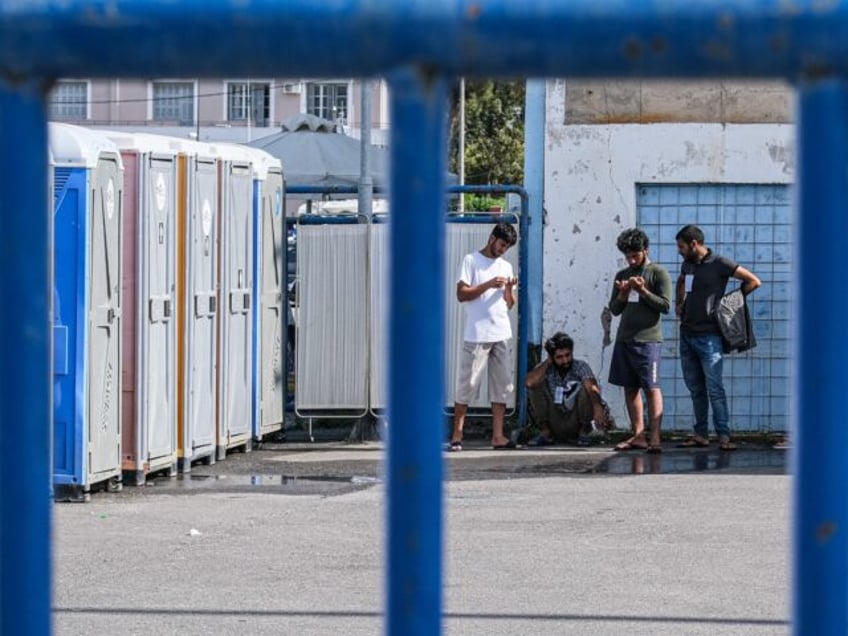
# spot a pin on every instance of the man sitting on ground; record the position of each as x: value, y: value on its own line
x: 565, y: 396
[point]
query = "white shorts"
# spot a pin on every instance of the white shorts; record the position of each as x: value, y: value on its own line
x: 474, y: 360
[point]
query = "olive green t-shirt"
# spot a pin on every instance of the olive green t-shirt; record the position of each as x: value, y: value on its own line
x: 641, y: 320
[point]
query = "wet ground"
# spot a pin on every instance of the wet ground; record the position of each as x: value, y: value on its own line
x: 331, y: 469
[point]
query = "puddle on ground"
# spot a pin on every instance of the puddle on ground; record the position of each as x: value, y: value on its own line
x: 281, y: 484
x: 759, y: 462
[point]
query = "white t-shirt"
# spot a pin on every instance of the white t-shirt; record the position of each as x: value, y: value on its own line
x: 487, y: 316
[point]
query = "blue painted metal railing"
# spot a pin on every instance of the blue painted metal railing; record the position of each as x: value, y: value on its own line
x: 419, y: 44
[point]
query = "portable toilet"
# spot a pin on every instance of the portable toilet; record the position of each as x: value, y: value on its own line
x: 197, y: 302
x: 87, y: 190
x: 148, y: 366
x: 235, y: 376
x: 269, y: 289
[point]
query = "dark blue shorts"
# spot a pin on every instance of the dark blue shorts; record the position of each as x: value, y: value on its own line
x: 636, y: 365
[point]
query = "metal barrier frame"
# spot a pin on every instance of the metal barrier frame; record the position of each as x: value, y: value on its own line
x: 423, y: 45
x: 523, y: 286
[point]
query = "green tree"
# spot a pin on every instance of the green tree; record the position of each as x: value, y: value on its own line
x: 494, y: 132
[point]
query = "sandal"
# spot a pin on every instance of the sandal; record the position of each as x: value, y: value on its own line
x: 726, y: 445
x: 630, y: 445
x: 694, y: 442
x: 454, y: 447
x: 654, y: 449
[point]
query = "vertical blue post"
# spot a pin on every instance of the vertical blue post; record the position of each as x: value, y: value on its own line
x: 820, y: 579
x: 534, y: 184
x: 416, y: 352
x: 25, y: 410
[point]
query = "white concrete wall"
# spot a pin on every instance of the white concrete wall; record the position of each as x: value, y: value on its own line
x: 591, y: 174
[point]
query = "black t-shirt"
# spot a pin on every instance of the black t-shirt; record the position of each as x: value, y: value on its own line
x: 708, y: 285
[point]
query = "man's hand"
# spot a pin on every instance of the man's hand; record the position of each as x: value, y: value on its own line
x: 637, y: 283
x: 498, y: 282
x: 600, y: 416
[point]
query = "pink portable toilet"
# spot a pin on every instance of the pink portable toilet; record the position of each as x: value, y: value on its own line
x: 148, y: 367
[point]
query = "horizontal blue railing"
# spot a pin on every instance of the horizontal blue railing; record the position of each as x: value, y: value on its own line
x: 768, y: 38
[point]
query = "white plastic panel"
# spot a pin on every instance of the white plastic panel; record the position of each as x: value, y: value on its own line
x: 272, y: 294
x: 104, y: 327
x: 332, y: 334
x: 202, y: 307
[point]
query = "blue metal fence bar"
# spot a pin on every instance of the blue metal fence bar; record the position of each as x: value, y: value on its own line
x: 821, y: 472
x: 416, y: 353
x: 534, y: 183
x: 25, y: 365
x: 524, y: 254
x: 541, y: 38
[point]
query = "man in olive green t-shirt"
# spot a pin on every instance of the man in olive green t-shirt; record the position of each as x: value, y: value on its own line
x: 641, y: 294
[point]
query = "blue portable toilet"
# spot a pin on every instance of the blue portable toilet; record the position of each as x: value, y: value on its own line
x: 87, y: 189
x: 269, y: 285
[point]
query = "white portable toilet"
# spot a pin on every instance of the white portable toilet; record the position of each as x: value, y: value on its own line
x: 149, y: 284
x: 87, y: 175
x: 236, y: 254
x: 269, y: 287
x: 197, y: 302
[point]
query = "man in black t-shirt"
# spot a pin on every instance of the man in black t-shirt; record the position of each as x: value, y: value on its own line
x: 701, y: 284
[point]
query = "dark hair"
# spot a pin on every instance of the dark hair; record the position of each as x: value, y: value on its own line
x: 632, y: 240
x: 505, y: 232
x: 689, y: 233
x: 559, y: 341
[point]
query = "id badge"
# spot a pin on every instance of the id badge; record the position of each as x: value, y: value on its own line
x: 633, y: 296
x: 687, y: 282
x: 559, y: 393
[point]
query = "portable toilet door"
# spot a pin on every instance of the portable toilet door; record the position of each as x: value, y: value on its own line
x: 269, y: 290
x: 235, y: 391
x: 149, y: 282
x: 88, y: 185
x: 197, y: 303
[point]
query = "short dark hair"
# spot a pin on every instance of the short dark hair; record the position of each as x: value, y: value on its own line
x: 689, y: 233
x: 559, y: 340
x: 632, y: 240
x: 505, y: 232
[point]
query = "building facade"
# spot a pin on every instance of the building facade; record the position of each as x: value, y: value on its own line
x: 229, y: 109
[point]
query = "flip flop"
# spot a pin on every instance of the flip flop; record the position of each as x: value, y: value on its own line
x: 654, y: 449
x: 510, y: 445
x: 727, y: 445
x: 454, y: 447
x: 626, y: 446
x: 693, y: 443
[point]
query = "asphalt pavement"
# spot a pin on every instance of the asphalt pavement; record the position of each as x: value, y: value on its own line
x: 289, y: 539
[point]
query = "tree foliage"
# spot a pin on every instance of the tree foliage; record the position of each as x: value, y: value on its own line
x: 494, y: 132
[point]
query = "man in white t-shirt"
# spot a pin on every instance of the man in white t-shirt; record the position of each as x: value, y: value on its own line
x: 485, y: 286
